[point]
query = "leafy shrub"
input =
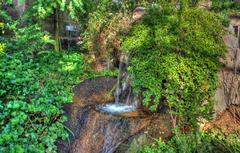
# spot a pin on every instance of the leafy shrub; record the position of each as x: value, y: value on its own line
x: 174, y: 57
x: 195, y: 141
x: 35, y: 83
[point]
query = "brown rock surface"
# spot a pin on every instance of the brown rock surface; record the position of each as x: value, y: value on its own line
x: 89, y: 92
x: 96, y: 132
x: 228, y: 92
x: 103, y: 133
x: 159, y: 127
x: 86, y: 94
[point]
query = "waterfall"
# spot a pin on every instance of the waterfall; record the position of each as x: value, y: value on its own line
x: 118, y: 88
x: 125, y: 100
x: 123, y: 81
x: 123, y: 93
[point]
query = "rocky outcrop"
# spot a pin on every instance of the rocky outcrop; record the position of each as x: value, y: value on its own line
x: 102, y: 133
x: 86, y: 95
x: 93, y: 131
x: 228, y: 92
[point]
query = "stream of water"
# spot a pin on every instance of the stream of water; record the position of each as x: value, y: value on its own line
x: 124, y: 100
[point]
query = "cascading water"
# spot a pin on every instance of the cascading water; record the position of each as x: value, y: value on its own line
x: 99, y: 126
x: 124, y: 100
x: 117, y: 108
x: 123, y: 78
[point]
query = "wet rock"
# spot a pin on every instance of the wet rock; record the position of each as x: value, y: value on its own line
x: 133, y: 114
x: 94, y: 90
x: 159, y: 127
x: 103, y: 133
x: 95, y: 132
x: 86, y: 94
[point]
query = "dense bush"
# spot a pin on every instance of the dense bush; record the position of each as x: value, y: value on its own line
x: 195, y: 142
x: 174, y: 57
x: 35, y: 83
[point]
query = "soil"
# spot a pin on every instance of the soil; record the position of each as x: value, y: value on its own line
x: 227, y: 121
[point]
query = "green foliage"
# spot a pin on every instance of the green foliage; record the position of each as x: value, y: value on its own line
x: 1, y: 28
x: 174, y: 57
x: 230, y: 6
x: 29, y: 40
x: 35, y: 83
x: 97, y: 19
x: 195, y: 141
x: 106, y: 21
x: 2, y: 47
x: 226, y: 8
x: 42, y: 9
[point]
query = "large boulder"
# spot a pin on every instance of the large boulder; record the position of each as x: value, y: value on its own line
x: 103, y: 133
x: 93, y: 131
